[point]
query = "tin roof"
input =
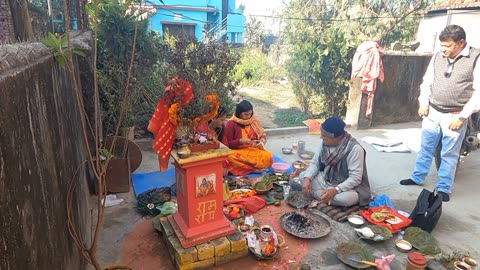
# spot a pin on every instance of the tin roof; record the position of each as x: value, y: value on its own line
x: 454, y: 4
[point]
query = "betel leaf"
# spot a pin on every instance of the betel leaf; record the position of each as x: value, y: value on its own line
x: 355, y: 250
x: 260, y: 185
x: 419, y: 238
x: 430, y: 250
x: 382, y: 231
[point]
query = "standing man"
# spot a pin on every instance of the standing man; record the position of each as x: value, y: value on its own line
x: 337, y: 174
x: 449, y: 94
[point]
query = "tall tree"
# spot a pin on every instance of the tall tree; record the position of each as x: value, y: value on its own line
x: 384, y: 21
x: 254, y: 33
x: 21, y: 20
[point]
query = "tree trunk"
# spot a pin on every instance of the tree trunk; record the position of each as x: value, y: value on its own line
x: 21, y: 20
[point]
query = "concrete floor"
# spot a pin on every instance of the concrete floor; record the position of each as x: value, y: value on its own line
x: 458, y: 228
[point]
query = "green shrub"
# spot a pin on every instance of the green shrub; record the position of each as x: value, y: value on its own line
x: 254, y: 66
x: 116, y: 33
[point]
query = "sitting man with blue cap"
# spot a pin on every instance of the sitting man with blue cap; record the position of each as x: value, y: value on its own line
x: 337, y: 174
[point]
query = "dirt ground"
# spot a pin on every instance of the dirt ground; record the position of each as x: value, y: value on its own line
x: 266, y: 99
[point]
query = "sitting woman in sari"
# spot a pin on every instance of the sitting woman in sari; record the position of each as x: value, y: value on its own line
x: 245, y: 135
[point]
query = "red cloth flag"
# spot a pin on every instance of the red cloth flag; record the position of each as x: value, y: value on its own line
x: 180, y: 91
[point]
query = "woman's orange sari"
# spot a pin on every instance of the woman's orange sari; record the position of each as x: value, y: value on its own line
x: 250, y: 159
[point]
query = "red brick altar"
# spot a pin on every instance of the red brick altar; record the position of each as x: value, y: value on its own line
x: 200, y: 197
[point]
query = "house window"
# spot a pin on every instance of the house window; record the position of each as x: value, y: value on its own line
x: 185, y: 30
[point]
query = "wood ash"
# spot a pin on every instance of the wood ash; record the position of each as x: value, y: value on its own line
x: 298, y: 199
x: 303, y: 226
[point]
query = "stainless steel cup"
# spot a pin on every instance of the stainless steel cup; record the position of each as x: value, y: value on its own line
x: 301, y: 146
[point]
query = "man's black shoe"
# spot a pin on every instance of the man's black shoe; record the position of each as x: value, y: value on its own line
x: 445, y: 196
x: 408, y: 182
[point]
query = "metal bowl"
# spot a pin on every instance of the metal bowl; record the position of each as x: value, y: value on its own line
x: 353, y: 249
x: 470, y: 261
x: 263, y: 191
x: 298, y: 199
x: 286, y: 150
x: 299, y: 165
x: 183, y: 155
x: 306, y: 155
x: 379, y: 234
x: 403, y: 245
x: 306, y: 225
x: 356, y: 221
x: 280, y: 167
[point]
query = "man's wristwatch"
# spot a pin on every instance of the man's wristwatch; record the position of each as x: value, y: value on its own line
x: 338, y: 190
x: 462, y: 118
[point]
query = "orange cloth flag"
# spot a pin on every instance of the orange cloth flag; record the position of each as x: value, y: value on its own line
x: 180, y: 91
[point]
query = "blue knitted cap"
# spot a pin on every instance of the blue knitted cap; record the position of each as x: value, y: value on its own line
x: 333, y: 127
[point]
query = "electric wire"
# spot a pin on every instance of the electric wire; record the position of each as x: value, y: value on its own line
x: 282, y: 18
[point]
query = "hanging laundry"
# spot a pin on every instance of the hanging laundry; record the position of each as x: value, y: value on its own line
x: 367, y: 64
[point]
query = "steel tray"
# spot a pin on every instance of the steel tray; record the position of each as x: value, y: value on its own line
x: 320, y: 226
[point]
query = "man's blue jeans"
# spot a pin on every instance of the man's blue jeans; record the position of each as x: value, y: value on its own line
x: 434, y: 129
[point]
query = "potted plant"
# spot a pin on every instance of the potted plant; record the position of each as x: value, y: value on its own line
x: 114, y: 79
x: 118, y: 171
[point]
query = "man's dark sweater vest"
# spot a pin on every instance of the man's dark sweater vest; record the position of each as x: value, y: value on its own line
x: 452, y: 93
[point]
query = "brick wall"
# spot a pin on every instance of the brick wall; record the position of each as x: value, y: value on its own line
x: 6, y: 23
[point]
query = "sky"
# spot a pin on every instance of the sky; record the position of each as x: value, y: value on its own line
x: 266, y: 8
x: 261, y: 7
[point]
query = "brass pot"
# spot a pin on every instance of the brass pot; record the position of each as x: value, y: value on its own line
x: 471, y: 262
x: 299, y: 165
x: 184, y: 151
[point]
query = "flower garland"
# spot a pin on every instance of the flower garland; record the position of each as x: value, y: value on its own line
x: 175, y: 108
x: 213, y: 99
x: 173, y: 113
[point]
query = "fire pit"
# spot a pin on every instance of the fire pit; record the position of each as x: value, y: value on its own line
x: 305, y: 225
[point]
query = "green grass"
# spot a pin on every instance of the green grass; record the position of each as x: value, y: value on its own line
x: 291, y: 117
x: 277, y: 103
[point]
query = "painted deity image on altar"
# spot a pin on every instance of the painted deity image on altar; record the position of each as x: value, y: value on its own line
x: 205, y: 185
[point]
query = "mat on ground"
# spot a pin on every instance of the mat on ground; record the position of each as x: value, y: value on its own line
x: 386, y: 145
x: 145, y: 181
x: 314, y: 125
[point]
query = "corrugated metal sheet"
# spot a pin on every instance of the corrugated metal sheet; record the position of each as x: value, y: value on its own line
x: 455, y: 4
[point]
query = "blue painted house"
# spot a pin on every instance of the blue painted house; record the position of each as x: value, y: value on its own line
x: 200, y: 18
